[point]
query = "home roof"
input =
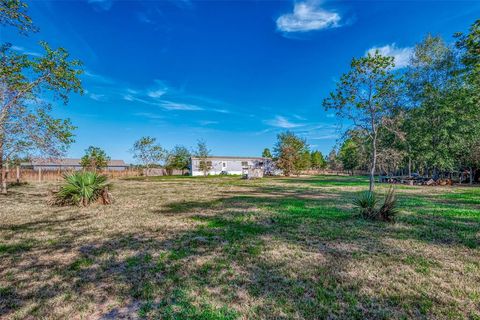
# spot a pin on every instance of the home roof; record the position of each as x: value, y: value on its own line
x: 230, y: 158
x: 68, y: 162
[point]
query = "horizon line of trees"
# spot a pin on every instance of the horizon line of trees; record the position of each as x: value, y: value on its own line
x: 423, y: 119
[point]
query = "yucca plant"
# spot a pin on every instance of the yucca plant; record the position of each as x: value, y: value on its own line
x: 388, y: 210
x: 83, y: 188
x: 366, y: 203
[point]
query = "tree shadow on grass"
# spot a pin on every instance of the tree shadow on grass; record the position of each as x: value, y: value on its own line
x: 252, y: 256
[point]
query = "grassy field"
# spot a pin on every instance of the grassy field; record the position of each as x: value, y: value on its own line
x: 225, y: 248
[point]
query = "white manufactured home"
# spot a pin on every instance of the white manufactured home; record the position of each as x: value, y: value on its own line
x: 230, y: 165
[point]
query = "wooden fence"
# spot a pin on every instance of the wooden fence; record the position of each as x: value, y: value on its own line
x: 29, y: 175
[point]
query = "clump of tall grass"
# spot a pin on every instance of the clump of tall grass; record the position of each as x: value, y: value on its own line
x: 83, y: 188
x: 366, y: 203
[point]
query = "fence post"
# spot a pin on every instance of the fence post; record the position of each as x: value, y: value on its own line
x: 18, y: 174
x: 39, y: 174
x: 7, y: 171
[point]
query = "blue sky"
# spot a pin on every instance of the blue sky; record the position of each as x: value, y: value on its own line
x: 234, y: 73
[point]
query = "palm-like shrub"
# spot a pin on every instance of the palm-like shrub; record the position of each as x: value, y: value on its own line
x: 83, y: 188
x: 367, y: 202
x: 389, y: 209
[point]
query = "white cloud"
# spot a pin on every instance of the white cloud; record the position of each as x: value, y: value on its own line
x: 308, y: 16
x: 97, y: 77
x: 104, y: 5
x: 97, y: 97
x: 282, y: 122
x: 142, y: 17
x: 401, y: 55
x: 207, y: 122
x: 24, y: 51
x: 148, y: 115
x: 156, y: 93
x: 170, y: 105
x: 324, y: 137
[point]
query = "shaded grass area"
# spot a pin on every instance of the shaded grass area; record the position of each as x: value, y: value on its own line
x: 225, y: 248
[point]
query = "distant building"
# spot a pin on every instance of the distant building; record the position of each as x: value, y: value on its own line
x: 231, y: 165
x: 68, y: 164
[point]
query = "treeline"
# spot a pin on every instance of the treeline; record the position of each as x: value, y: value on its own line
x: 292, y: 155
x: 423, y: 119
x: 150, y: 154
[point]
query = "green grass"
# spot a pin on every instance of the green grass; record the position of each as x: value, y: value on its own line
x: 226, y: 248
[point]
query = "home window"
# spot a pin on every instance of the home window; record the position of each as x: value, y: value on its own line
x: 244, y: 163
x: 224, y: 164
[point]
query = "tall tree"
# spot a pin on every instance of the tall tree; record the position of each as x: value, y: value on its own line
x: 14, y: 13
x: 148, y: 152
x: 317, y: 160
x: 289, y: 152
x: 434, y: 136
x: 178, y: 158
x: 266, y: 153
x: 304, y: 162
x: 365, y: 96
x: 202, y: 153
x: 349, y: 155
x: 94, y: 159
x: 26, y: 123
x: 469, y: 45
x: 333, y: 162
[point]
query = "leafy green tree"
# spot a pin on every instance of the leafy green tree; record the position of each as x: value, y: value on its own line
x: 333, y: 162
x: 469, y: 44
x: 178, y: 158
x: 433, y: 90
x: 14, y: 13
x: 202, y: 153
x: 317, y: 160
x: 289, y: 152
x: 148, y: 152
x: 94, y: 159
x: 266, y: 153
x: 365, y: 96
x: 304, y: 163
x: 349, y: 155
x: 26, y: 123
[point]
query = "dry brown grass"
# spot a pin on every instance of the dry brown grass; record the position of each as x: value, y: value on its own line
x: 223, y: 248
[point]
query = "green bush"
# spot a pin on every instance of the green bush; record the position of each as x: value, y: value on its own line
x: 83, y: 188
x: 389, y: 209
x: 367, y: 202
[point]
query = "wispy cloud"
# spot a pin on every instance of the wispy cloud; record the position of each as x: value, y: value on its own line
x: 207, y: 122
x: 102, y: 5
x: 148, y: 115
x: 142, y: 17
x: 308, y: 16
x: 97, y: 97
x: 401, y: 55
x: 172, y: 99
x: 170, y: 105
x: 98, y: 78
x: 157, y: 93
x: 282, y: 122
x: 25, y: 51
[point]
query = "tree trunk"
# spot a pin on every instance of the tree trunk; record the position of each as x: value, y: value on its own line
x: 374, y: 163
x: 3, y: 178
x: 409, y: 166
x: 471, y: 175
